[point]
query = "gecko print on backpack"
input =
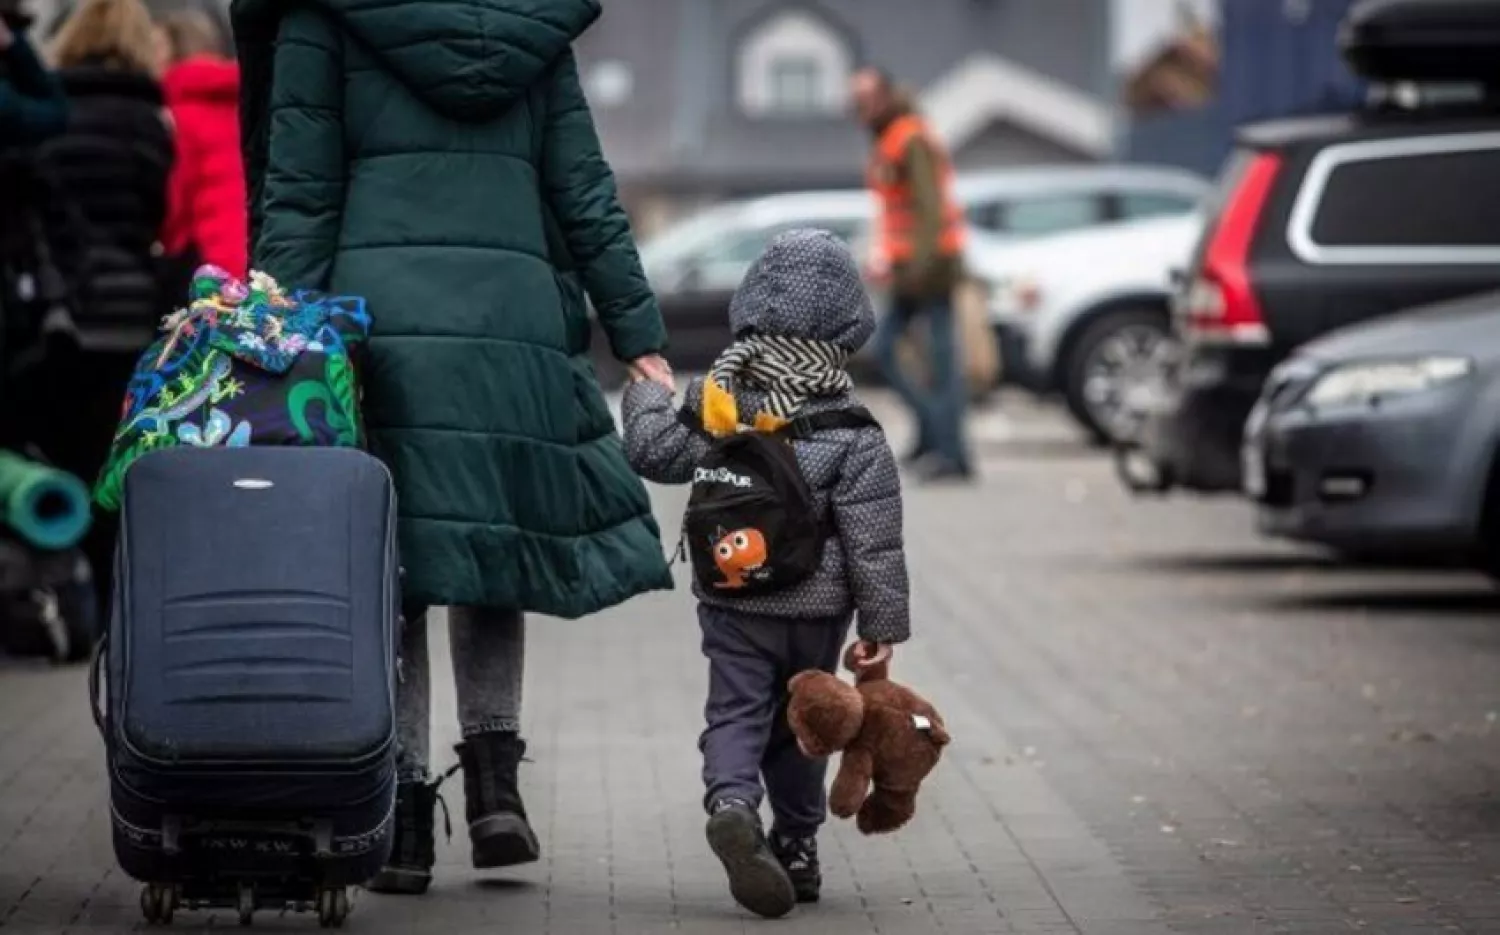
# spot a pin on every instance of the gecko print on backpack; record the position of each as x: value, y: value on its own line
x: 244, y: 364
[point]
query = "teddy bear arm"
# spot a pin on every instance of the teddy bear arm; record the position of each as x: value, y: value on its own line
x: 941, y: 737
x: 852, y: 783
x: 938, y: 732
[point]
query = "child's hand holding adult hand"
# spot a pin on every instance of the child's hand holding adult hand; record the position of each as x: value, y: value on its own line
x: 867, y: 655
x: 655, y: 368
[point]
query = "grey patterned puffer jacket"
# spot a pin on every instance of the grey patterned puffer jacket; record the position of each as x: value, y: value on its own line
x: 806, y: 285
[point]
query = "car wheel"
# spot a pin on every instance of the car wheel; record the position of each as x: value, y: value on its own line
x: 1139, y: 472
x: 1112, y: 368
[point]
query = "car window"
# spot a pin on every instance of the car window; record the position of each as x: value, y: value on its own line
x: 726, y: 261
x: 984, y: 215
x: 849, y: 231
x: 686, y: 239
x: 1137, y: 205
x: 1418, y: 200
x: 1051, y: 214
x: 736, y: 247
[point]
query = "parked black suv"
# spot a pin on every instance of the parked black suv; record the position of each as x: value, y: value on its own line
x: 1323, y: 222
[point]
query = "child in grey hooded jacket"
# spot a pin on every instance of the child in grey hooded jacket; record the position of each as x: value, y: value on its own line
x: 798, y: 316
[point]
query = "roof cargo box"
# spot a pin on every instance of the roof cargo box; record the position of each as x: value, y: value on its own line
x: 1424, y: 40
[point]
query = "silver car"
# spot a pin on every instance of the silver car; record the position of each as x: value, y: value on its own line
x: 1382, y: 438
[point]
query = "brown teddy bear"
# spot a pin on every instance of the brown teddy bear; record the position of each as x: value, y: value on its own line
x: 888, y: 733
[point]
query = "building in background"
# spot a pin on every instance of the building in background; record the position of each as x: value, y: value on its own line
x: 1270, y: 58
x: 701, y: 100
x: 1282, y: 58
x: 1182, y: 73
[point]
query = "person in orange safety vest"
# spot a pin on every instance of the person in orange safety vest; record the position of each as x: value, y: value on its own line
x: 918, y: 253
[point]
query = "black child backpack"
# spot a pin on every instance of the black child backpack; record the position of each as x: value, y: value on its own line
x: 752, y: 526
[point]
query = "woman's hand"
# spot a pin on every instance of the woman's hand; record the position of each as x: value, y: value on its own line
x: 655, y: 368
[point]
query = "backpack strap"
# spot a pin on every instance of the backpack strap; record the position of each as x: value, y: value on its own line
x: 802, y: 427
x: 854, y: 417
x: 690, y: 419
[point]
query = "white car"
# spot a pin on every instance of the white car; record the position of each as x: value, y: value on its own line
x: 695, y: 265
x: 714, y: 248
x: 1086, y: 314
x: 1021, y: 203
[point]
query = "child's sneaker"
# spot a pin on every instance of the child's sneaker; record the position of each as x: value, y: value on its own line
x: 799, y: 857
x: 757, y: 880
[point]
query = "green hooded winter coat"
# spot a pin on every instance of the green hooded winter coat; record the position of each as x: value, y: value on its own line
x: 438, y: 158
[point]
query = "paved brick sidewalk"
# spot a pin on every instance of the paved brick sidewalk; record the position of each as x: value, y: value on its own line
x: 1162, y: 725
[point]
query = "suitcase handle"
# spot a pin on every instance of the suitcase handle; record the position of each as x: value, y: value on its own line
x: 96, y: 676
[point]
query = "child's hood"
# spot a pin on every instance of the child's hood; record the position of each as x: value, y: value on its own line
x: 805, y: 285
x: 468, y: 59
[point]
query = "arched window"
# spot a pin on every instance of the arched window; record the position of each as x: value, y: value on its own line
x: 793, y: 64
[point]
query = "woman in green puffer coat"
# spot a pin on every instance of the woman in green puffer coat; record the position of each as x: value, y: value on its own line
x: 438, y: 158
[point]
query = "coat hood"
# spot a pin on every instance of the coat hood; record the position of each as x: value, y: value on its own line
x: 805, y: 285
x: 205, y: 78
x: 467, y: 59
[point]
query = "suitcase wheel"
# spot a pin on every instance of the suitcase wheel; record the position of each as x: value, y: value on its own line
x: 333, y: 906
x: 159, y: 902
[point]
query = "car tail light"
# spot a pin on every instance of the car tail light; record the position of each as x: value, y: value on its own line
x: 1220, y: 306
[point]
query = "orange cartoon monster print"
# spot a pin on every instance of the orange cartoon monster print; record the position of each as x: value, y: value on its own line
x: 739, y: 555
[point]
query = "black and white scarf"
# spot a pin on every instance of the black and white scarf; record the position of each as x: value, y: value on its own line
x: 788, y: 370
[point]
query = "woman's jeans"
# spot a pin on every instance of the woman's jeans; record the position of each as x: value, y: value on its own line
x: 939, y: 410
x: 488, y: 651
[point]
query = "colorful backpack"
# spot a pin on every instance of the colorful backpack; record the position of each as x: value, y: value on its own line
x: 243, y: 364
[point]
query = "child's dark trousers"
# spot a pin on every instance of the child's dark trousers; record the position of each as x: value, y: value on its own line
x: 750, y: 661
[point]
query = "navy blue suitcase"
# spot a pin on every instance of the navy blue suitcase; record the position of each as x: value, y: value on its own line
x: 250, y: 719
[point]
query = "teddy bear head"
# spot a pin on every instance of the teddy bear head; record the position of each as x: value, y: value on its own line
x: 825, y: 712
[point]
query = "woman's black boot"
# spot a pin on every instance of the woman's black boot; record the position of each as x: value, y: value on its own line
x: 498, y: 829
x: 409, y: 871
